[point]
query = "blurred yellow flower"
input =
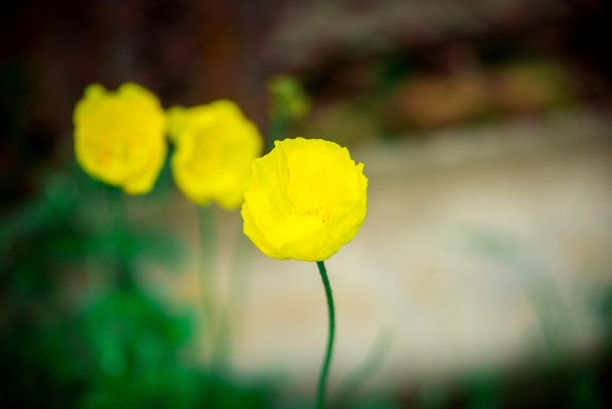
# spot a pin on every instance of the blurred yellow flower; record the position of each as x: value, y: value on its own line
x: 304, y: 200
x: 215, y: 145
x: 119, y: 137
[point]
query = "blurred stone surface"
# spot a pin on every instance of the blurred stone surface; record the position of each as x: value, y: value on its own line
x: 481, y: 246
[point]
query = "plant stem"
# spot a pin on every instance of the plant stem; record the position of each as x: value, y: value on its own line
x: 349, y: 388
x: 208, y: 267
x: 234, y: 304
x: 330, y: 339
x: 118, y: 223
x: 278, y: 129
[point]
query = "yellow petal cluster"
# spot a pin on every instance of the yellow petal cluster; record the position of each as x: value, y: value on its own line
x: 215, y: 145
x: 120, y: 137
x: 304, y: 200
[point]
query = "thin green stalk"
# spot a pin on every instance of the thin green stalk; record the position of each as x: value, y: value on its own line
x: 349, y: 388
x: 278, y: 129
x: 116, y: 211
x: 208, y: 267
x: 330, y: 339
x: 235, y: 300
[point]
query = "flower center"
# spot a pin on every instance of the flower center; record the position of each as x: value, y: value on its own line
x: 318, y: 212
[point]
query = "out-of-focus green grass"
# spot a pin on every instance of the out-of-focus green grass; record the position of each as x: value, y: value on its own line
x: 77, y: 330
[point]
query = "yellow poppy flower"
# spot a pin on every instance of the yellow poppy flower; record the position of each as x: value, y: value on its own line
x: 119, y: 137
x: 304, y: 200
x: 215, y: 145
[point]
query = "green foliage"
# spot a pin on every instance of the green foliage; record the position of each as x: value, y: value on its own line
x: 76, y: 329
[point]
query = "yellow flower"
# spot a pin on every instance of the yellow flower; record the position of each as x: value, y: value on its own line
x: 215, y: 145
x: 304, y: 200
x: 119, y: 137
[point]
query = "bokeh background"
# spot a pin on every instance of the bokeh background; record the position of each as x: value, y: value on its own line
x: 481, y: 277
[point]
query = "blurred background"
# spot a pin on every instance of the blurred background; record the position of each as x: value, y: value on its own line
x: 481, y: 277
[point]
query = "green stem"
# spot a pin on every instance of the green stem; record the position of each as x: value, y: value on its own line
x: 207, y: 267
x: 330, y: 339
x: 235, y: 300
x: 349, y: 388
x: 278, y: 130
x: 118, y: 221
